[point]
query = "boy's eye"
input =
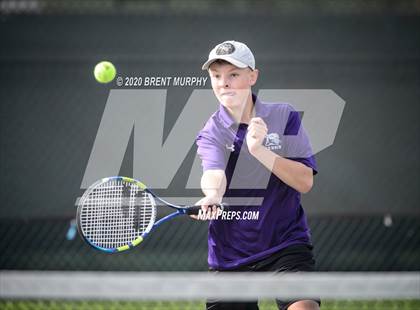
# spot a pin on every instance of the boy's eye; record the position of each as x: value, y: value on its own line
x: 234, y: 74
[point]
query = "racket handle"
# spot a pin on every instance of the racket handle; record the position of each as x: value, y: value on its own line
x: 194, y: 210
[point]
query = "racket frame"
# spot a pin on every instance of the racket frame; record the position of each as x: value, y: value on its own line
x: 180, y: 210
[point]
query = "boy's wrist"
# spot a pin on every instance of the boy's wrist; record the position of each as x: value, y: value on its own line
x: 257, y: 151
x: 215, y: 198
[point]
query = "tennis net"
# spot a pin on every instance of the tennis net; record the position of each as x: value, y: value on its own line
x: 189, y: 290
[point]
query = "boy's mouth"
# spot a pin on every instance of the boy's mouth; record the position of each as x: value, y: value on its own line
x: 227, y: 94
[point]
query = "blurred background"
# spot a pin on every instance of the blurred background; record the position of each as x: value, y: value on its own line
x: 364, y: 209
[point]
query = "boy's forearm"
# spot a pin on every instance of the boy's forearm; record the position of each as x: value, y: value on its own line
x: 213, y: 183
x: 293, y: 173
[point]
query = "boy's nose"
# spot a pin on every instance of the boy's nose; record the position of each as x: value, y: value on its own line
x: 224, y: 83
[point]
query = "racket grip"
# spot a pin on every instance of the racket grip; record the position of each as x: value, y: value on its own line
x: 194, y: 210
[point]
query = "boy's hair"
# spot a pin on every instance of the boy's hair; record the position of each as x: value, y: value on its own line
x: 221, y: 62
x: 224, y: 62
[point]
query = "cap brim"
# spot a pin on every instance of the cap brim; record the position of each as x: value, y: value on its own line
x: 227, y: 58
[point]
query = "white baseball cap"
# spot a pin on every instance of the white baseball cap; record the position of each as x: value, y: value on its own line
x: 237, y: 53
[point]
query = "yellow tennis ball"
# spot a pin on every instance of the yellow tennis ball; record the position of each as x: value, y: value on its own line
x: 104, y: 72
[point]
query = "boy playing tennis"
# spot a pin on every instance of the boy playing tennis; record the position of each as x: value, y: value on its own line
x: 244, y: 145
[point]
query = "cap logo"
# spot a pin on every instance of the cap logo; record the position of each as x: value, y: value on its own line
x: 225, y: 49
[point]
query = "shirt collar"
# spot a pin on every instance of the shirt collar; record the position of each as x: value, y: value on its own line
x: 227, y: 120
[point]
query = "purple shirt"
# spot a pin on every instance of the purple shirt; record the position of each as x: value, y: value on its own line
x: 282, y: 221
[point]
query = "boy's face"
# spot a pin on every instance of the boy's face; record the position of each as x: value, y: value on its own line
x: 232, y: 85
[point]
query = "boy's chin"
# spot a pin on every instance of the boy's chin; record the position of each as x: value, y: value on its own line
x: 230, y: 102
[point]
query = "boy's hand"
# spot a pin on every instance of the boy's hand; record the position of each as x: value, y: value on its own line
x: 208, y: 205
x: 257, y: 130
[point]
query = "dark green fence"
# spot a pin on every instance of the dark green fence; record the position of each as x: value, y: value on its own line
x: 341, y: 244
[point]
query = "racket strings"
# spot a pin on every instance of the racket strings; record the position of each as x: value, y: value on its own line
x: 115, y: 213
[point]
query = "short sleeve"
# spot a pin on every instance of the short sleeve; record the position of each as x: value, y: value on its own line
x: 297, y: 144
x: 211, y: 153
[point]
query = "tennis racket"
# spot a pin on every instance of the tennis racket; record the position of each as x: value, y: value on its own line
x: 115, y: 214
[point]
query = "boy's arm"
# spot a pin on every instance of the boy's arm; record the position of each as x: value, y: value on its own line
x: 213, y: 185
x: 293, y: 173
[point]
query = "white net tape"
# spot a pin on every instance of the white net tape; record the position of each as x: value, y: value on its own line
x: 201, y: 285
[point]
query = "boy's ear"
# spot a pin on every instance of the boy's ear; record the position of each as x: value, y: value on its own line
x: 253, y: 77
